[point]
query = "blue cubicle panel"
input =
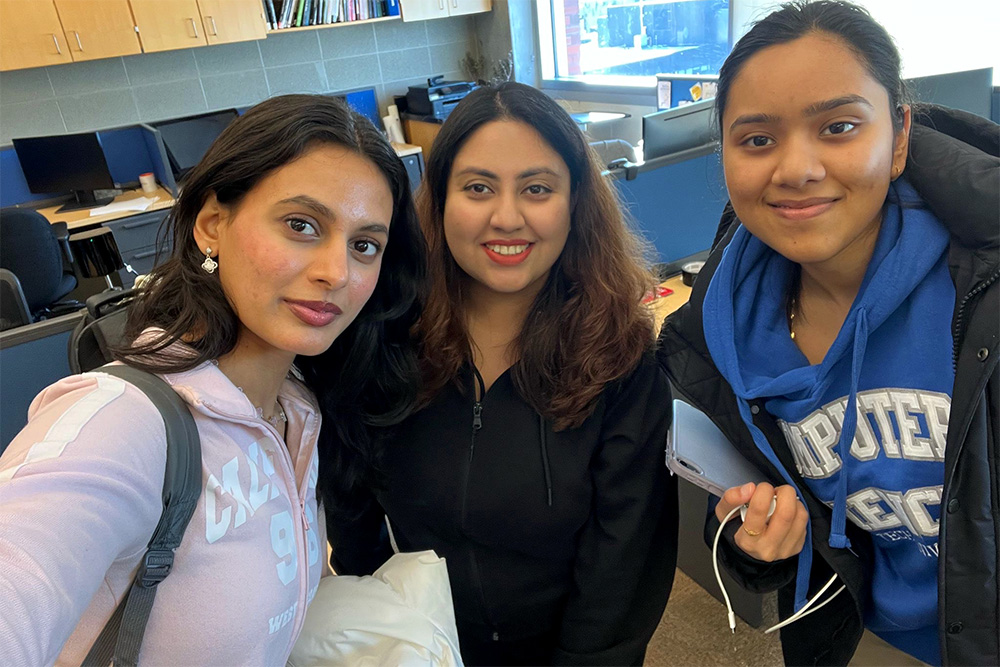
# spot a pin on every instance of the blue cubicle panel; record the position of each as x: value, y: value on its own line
x: 126, y: 150
x: 27, y: 369
x: 677, y: 206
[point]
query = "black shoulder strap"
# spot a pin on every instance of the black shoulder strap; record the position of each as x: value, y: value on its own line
x: 122, y: 636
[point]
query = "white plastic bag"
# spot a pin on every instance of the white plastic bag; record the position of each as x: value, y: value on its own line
x: 402, y: 615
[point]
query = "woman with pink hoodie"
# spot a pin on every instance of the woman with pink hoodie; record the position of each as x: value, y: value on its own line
x: 296, y: 265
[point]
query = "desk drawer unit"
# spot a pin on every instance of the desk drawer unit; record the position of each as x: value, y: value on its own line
x: 142, y: 260
x: 136, y: 231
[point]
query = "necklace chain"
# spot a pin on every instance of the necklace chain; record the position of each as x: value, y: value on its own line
x: 791, y: 316
x: 274, y: 420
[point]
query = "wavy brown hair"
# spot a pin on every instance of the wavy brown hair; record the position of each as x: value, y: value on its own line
x: 587, y: 326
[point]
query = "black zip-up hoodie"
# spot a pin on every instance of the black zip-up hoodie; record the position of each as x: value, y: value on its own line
x: 953, y: 164
x: 560, y: 546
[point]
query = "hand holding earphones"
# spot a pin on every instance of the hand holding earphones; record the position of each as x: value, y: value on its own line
x: 774, y: 521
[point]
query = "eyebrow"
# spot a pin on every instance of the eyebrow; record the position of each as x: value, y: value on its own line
x: 811, y: 110
x: 527, y: 173
x: 310, y: 202
x: 324, y: 211
x: 375, y: 228
x: 830, y: 105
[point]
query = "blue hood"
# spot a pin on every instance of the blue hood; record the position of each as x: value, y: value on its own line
x: 746, y: 330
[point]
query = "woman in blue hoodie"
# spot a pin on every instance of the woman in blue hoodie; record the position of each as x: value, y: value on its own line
x: 844, y: 334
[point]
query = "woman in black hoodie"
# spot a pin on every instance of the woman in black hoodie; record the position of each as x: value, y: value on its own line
x: 535, y: 467
x: 884, y: 410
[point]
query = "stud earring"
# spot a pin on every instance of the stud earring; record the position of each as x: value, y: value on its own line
x: 209, y: 265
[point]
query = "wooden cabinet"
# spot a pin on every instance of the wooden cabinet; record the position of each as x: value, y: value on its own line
x: 168, y: 24
x: 98, y: 28
x: 459, y: 7
x: 233, y: 20
x: 421, y: 10
x: 31, y: 35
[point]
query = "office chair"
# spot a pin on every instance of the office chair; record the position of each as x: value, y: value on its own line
x: 13, y: 306
x: 612, y: 150
x: 37, y: 254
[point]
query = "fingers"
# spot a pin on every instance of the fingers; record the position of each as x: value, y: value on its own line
x: 781, y: 536
x: 734, y: 497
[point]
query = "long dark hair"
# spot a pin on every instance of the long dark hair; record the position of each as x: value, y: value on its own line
x: 868, y: 40
x: 369, y: 376
x: 587, y: 326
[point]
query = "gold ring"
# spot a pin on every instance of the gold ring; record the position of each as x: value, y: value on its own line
x: 751, y: 533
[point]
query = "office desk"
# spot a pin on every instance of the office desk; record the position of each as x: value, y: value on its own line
x: 77, y: 220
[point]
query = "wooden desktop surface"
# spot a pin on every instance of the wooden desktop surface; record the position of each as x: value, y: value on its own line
x: 665, y: 305
x: 82, y: 218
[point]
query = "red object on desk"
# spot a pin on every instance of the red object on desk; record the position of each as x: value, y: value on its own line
x: 659, y: 291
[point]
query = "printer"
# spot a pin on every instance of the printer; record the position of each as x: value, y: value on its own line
x: 436, y: 97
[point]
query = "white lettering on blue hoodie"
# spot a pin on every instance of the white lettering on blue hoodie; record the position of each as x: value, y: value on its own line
x: 884, y: 387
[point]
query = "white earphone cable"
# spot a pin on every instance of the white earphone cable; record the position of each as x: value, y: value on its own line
x: 807, y: 608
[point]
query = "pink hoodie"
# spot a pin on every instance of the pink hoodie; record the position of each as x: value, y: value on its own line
x: 80, y: 495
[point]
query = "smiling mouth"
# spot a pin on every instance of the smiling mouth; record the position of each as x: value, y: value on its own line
x: 509, y: 253
x: 802, y: 209
x: 503, y: 249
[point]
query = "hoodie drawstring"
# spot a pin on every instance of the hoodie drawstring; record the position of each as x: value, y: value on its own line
x: 544, y: 437
x: 838, y: 536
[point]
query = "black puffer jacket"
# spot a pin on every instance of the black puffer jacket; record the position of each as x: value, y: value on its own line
x: 954, y: 165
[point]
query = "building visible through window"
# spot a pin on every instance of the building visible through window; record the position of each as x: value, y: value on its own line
x: 638, y: 38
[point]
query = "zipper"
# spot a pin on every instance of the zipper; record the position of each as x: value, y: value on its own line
x: 477, y: 424
x: 958, y: 330
x: 284, y: 460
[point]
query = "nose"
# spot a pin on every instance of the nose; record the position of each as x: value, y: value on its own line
x: 507, y: 215
x: 331, y: 264
x: 799, y: 162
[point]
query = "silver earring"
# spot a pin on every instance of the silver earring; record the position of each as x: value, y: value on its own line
x: 210, y: 265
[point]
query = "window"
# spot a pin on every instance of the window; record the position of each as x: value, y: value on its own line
x: 629, y: 42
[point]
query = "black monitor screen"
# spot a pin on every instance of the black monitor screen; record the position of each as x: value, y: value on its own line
x: 674, y: 130
x: 63, y: 163
x: 187, y: 139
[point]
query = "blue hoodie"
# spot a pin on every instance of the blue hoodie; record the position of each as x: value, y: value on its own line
x: 884, y: 387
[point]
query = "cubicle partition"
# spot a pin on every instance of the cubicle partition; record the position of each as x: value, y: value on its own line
x: 126, y: 149
x: 676, y: 200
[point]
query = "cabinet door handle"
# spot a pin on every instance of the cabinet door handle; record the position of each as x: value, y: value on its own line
x: 215, y: 29
x: 454, y: 3
x: 144, y: 255
x: 78, y: 42
x: 56, y: 41
x: 194, y: 26
x: 440, y: 4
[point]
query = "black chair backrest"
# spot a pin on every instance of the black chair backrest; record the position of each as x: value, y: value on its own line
x: 31, y: 252
x: 13, y: 306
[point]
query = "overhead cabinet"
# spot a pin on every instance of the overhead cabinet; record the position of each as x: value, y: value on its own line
x: 233, y: 20
x: 421, y: 10
x: 168, y: 24
x: 31, y: 35
x: 178, y: 24
x: 98, y: 28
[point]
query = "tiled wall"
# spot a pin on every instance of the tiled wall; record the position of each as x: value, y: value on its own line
x: 98, y: 94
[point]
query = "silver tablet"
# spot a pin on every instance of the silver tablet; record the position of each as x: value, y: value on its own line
x: 700, y: 453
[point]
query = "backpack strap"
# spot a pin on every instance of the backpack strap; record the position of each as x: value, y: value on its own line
x: 122, y: 635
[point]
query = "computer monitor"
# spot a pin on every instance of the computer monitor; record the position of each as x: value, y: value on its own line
x: 674, y: 130
x: 66, y: 163
x: 187, y: 139
x: 970, y: 91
